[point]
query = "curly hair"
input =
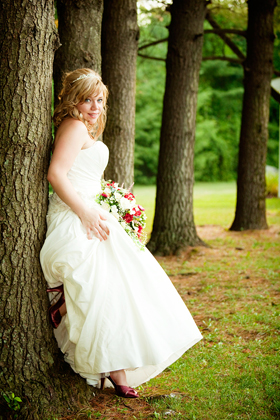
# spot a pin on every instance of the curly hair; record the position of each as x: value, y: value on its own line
x: 78, y: 85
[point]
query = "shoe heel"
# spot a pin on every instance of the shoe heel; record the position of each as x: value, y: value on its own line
x: 55, y: 315
x: 102, y: 383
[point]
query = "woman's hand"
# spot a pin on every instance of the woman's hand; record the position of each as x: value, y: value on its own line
x: 92, y: 220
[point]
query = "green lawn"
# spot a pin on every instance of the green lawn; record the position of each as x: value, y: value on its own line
x: 214, y: 204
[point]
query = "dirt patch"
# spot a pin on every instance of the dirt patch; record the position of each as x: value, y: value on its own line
x: 209, y: 232
x: 107, y: 405
x: 249, y: 335
x: 112, y: 407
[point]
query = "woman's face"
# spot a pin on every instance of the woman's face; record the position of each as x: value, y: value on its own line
x: 92, y: 108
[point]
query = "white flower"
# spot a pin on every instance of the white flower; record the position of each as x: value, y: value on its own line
x: 118, y: 196
x: 105, y: 206
x: 107, y: 191
x: 114, y: 209
x: 125, y: 204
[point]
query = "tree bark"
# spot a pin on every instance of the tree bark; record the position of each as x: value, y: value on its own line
x: 258, y: 70
x: 174, y: 227
x: 79, y: 27
x: 119, y: 53
x: 27, y: 349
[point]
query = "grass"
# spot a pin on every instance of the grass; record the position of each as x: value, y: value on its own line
x: 214, y: 204
x: 232, y: 289
x: 233, y: 295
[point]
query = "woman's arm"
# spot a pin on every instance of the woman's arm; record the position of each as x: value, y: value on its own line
x: 71, y: 137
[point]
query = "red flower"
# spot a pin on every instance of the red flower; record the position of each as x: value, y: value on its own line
x: 137, y: 213
x: 128, y: 218
x: 129, y: 196
x: 140, y: 228
x: 104, y: 195
x: 141, y: 208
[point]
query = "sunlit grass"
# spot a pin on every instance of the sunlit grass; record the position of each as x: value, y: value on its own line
x: 214, y: 204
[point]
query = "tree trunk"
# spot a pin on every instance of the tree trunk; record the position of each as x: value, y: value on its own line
x: 174, y: 227
x: 27, y: 348
x: 119, y: 53
x: 79, y: 27
x: 258, y: 70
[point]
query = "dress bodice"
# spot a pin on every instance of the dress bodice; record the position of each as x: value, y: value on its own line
x: 85, y: 175
x: 86, y: 171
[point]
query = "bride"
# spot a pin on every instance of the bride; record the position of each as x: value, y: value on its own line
x: 125, y: 322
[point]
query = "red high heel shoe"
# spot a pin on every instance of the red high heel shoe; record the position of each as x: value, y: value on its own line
x: 121, y: 390
x: 54, y: 314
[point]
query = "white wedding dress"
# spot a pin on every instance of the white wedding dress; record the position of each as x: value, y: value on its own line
x: 122, y: 310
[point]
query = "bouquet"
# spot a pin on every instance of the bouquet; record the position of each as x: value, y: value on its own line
x: 122, y: 204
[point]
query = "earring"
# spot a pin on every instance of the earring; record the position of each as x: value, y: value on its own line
x: 81, y: 115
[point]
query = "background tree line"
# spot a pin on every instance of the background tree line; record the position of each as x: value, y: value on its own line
x: 220, y: 95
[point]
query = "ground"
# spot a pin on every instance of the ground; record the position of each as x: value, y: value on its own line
x: 232, y: 289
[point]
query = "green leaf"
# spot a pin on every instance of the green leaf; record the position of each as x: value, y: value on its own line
x: 6, y: 398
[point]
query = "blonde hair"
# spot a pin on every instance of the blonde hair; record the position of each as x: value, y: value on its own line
x: 77, y: 87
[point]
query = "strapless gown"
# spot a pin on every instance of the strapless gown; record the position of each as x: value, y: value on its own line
x: 122, y: 310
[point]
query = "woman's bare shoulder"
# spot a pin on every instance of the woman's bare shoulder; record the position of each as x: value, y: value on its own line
x: 71, y: 130
x: 72, y: 124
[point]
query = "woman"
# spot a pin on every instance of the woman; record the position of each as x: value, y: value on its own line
x: 124, y: 321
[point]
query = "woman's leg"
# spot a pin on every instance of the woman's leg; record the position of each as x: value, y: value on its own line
x: 63, y: 309
x: 119, y: 377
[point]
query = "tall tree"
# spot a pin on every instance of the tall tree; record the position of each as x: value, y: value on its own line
x: 119, y: 52
x: 79, y: 27
x: 258, y: 70
x: 174, y: 227
x: 28, y: 353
